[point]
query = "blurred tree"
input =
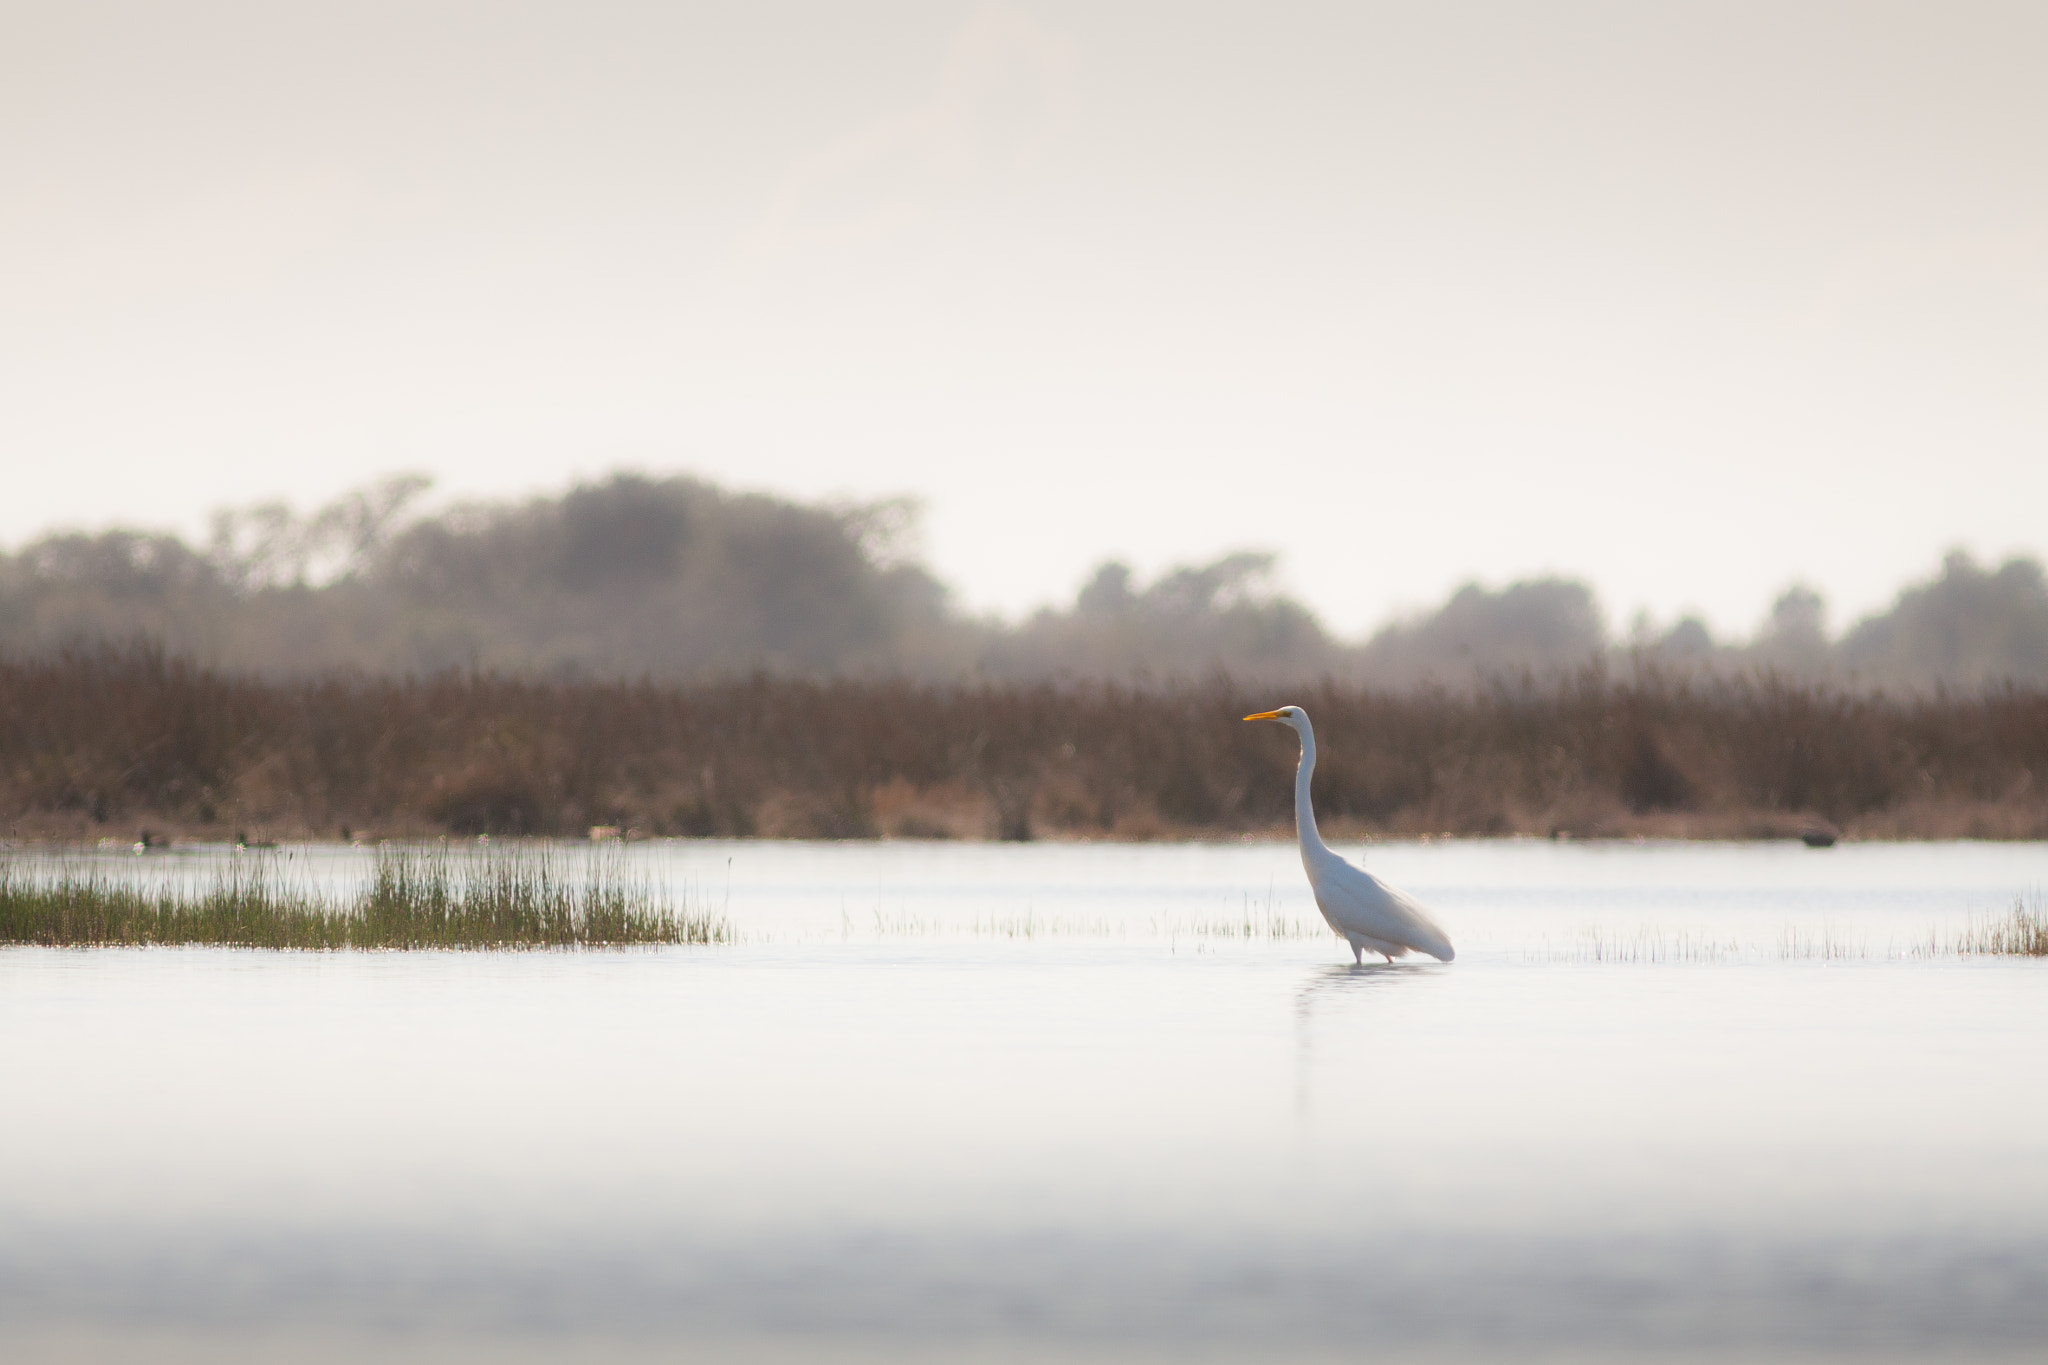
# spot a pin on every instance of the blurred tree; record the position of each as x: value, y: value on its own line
x: 676, y: 578
x: 1965, y: 627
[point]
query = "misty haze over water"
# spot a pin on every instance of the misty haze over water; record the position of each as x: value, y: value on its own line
x: 519, y: 842
x: 1057, y: 1102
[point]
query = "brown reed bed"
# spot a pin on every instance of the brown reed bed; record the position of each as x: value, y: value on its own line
x: 105, y: 742
x: 496, y: 898
x: 2020, y: 932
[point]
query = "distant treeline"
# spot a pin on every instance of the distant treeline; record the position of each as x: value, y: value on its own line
x: 107, y: 742
x: 677, y: 579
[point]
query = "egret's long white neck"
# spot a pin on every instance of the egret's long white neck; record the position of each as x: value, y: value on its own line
x: 1304, y: 808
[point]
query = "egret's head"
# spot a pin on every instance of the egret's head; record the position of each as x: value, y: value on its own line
x: 1286, y: 715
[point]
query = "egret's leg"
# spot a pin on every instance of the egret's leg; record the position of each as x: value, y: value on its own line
x: 1388, y: 956
x: 1358, y: 953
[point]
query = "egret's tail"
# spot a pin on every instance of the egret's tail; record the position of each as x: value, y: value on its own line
x: 1435, y: 942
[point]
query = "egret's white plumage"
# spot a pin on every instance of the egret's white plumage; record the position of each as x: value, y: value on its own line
x: 1365, y: 911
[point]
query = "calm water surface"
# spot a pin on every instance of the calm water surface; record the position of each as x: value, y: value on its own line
x: 1051, y: 1102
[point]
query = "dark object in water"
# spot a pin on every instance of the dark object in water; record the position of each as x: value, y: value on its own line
x: 1816, y: 837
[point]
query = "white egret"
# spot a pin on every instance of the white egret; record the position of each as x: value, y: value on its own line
x: 1365, y: 911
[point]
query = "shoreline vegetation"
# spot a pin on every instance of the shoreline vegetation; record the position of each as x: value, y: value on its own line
x: 487, y: 898
x: 2021, y: 932
x: 494, y: 897
x: 133, y: 744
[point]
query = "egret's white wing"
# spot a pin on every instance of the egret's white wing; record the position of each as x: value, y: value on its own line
x: 1356, y: 900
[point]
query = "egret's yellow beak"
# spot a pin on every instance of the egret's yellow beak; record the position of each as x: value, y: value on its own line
x: 1265, y: 715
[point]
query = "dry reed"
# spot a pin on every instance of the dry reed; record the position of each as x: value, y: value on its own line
x: 2021, y: 932
x: 103, y: 740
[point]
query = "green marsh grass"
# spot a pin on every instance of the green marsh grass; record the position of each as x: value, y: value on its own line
x: 415, y: 899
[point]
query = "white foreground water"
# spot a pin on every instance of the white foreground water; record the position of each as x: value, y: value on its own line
x: 1050, y: 1102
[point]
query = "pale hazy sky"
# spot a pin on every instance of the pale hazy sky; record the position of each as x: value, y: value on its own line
x: 1686, y: 299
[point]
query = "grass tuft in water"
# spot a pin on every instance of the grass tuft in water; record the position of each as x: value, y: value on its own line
x: 1262, y: 921
x: 1596, y: 945
x: 415, y: 899
x: 2023, y: 932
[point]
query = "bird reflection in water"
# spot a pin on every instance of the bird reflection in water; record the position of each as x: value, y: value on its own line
x: 1326, y: 986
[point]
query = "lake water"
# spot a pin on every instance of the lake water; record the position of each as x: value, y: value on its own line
x: 1052, y: 1102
